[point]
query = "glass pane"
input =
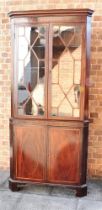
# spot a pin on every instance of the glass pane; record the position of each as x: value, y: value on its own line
x: 23, y: 97
x: 74, y: 96
x: 66, y: 71
x: 77, y: 72
x: 58, y: 47
x: 21, y: 31
x: 39, y: 48
x: 76, y: 113
x: 20, y: 73
x: 22, y: 48
x: 54, y: 111
x: 31, y: 70
x: 65, y: 108
x: 67, y: 34
x: 75, y: 39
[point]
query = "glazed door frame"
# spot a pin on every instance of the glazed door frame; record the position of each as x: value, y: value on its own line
x: 14, y: 93
x: 82, y: 71
x: 48, y: 62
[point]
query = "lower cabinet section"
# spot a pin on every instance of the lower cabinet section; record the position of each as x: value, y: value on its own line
x: 49, y: 154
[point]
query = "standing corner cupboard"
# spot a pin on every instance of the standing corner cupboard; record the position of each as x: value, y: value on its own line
x: 49, y: 120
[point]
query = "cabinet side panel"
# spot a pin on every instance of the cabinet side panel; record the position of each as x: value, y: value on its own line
x: 84, y: 154
x: 30, y: 152
x: 64, y: 155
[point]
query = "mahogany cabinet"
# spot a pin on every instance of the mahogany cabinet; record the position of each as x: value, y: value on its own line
x: 49, y: 119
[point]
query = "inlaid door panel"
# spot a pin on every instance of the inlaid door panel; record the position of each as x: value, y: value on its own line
x: 30, y: 152
x: 64, y: 155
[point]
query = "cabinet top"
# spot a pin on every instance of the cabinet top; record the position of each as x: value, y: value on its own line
x: 70, y: 12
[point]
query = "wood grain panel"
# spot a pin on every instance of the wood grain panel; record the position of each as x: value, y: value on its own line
x: 30, y: 152
x: 64, y: 155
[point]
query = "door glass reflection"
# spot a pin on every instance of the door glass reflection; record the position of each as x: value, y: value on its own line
x: 66, y: 71
x: 31, y: 70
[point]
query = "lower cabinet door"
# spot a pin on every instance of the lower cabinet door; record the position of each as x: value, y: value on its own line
x: 30, y: 152
x: 64, y: 155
